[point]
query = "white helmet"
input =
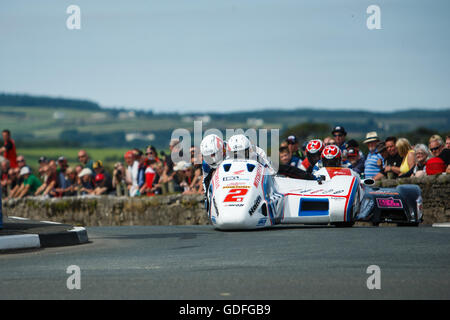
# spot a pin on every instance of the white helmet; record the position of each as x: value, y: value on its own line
x: 239, y: 144
x: 212, y: 149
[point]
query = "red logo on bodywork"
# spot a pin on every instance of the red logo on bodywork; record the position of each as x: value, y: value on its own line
x: 258, y: 176
x: 338, y: 172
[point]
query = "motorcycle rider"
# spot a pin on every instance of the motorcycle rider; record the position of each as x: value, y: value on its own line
x: 213, y: 150
x: 239, y: 146
x: 314, y: 150
x: 331, y: 156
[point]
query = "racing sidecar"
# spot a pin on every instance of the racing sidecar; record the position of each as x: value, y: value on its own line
x: 243, y: 195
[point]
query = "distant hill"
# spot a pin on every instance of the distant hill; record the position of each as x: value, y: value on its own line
x: 21, y: 100
x: 40, y: 121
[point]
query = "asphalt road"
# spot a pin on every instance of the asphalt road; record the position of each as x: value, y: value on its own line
x: 197, y: 262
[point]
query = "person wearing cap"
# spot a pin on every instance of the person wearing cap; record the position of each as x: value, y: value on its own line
x: 339, y: 135
x: 371, y: 164
x: 293, y: 146
x: 87, y: 181
x: 356, y: 162
x: 30, y: 183
x: 103, y: 181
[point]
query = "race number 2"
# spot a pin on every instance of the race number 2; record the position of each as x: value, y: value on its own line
x: 235, y: 195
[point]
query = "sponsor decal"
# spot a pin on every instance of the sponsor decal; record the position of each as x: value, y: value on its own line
x: 216, y: 180
x: 236, y: 195
x: 338, y: 172
x: 258, y: 176
x: 339, y: 191
x: 389, y: 203
x: 255, y: 205
x: 234, y: 205
x: 316, y: 191
x: 262, y: 222
x: 239, y: 172
x: 231, y: 186
x: 328, y: 191
x: 304, y: 191
x: 338, y: 199
x: 231, y: 178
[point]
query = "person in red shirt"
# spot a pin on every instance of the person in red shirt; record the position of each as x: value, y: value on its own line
x: 9, y: 149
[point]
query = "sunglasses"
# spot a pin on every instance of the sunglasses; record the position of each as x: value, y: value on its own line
x: 20, y: 160
x: 338, y: 135
x: 435, y: 149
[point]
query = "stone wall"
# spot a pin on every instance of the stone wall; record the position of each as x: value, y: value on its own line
x: 184, y: 210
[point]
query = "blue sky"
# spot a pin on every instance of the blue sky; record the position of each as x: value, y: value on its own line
x: 224, y: 55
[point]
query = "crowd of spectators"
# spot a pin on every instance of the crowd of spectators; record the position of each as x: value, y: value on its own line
x: 149, y: 172
x: 391, y: 158
x: 141, y: 174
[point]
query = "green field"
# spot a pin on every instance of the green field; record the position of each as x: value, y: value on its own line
x: 108, y: 156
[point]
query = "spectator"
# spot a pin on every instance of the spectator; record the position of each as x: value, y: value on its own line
x: 179, y: 179
x: 439, y: 163
x: 372, y: 165
x: 328, y: 141
x: 357, y: 163
x: 78, y: 169
x: 84, y: 159
x: 4, y: 178
x: 422, y: 154
x: 103, y: 181
x: 293, y: 146
x: 50, y: 182
x: 150, y: 175
x: 339, y: 135
x: 86, y: 180
x: 61, y: 174
x: 132, y: 173
x: 407, y: 153
x: 287, y: 158
x: 394, y: 160
x: 72, y: 183
x: 152, y: 154
x: 9, y: 149
x: 43, y: 163
x: 447, y: 142
x: 159, y: 185
x: 118, y: 180
x: 381, y: 150
x: 30, y: 184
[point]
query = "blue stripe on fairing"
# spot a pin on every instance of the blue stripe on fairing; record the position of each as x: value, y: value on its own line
x: 350, y: 201
x: 269, y: 207
x: 312, y: 213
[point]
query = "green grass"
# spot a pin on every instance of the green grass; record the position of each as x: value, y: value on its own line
x: 107, y: 155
